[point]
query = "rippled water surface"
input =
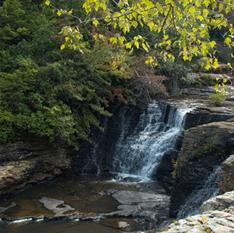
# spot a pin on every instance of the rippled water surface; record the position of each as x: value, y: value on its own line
x: 85, y: 196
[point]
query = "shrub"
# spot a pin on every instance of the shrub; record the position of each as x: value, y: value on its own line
x: 217, y: 98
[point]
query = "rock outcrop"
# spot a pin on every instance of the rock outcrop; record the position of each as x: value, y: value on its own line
x: 204, y: 148
x: 227, y: 174
x: 149, y: 206
x: 25, y: 162
x: 220, y: 202
x: 217, y: 216
x: 205, y: 115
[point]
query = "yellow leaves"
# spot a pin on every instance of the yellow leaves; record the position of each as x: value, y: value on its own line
x: 64, y: 12
x: 117, y: 40
x: 113, y: 40
x: 198, y: 3
x: 87, y: 7
x: 128, y: 45
x: 215, y: 63
x: 145, y: 47
x: 183, y: 27
x: 204, y: 33
x: 221, y: 6
x: 210, y: 62
x: 192, y: 10
x: 47, y: 2
x: 185, y: 54
x: 137, y: 44
x: 185, y: 3
x: 151, y: 26
x: 73, y: 38
x: 212, y: 44
x: 62, y: 47
x: 204, y: 49
x: 206, y: 3
x: 205, y: 12
x: 95, y: 22
x: 59, y: 12
x: 150, y: 61
x: 116, y: 15
x: 200, y: 18
x: 70, y: 12
x: 228, y: 41
x: 121, y: 40
x: 96, y: 5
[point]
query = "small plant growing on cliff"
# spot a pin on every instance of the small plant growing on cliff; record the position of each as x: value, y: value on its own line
x: 217, y: 98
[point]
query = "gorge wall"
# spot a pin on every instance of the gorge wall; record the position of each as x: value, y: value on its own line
x: 141, y: 143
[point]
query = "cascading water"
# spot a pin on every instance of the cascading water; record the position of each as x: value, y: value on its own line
x: 156, y: 133
x: 198, y: 197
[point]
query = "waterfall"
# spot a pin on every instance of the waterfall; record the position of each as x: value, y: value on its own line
x: 140, y: 152
x: 198, y: 197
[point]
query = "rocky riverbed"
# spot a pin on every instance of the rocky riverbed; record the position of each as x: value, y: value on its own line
x: 92, y: 204
x: 121, y: 206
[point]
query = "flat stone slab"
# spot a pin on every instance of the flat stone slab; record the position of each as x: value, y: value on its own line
x: 57, y: 206
x: 142, y: 204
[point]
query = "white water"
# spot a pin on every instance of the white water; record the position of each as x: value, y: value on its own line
x: 139, y: 153
x: 198, y: 197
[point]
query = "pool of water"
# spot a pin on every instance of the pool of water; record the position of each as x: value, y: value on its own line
x: 58, y: 227
x: 83, y: 196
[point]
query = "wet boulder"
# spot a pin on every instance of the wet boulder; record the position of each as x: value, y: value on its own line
x: 204, y: 148
x: 227, y: 174
x: 30, y: 161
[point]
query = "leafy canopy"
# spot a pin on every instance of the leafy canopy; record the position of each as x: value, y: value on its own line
x: 182, y: 26
x: 46, y: 92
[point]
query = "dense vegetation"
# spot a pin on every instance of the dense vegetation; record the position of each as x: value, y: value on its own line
x: 58, y: 75
x: 45, y: 91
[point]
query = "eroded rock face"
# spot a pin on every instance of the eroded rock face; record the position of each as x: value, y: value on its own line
x: 204, y: 148
x: 227, y: 174
x: 220, y: 202
x: 217, y: 216
x: 214, y: 221
x: 25, y: 162
x: 205, y: 115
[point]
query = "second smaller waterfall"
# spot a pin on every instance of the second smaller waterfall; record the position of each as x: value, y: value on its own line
x: 198, y: 197
x: 155, y: 134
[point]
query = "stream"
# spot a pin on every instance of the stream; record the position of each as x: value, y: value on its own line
x: 71, y: 204
x: 128, y: 200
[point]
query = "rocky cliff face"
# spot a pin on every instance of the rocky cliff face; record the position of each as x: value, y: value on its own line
x: 204, y: 148
x: 227, y: 175
x: 29, y: 161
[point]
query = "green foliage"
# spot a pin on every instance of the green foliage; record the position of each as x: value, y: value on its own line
x: 182, y: 27
x: 60, y: 95
x: 173, y: 70
x: 189, y: 81
x: 217, y: 98
x: 176, y: 72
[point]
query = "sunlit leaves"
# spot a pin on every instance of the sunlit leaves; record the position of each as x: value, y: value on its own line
x: 64, y: 12
x: 182, y: 26
x: 73, y: 38
x: 47, y: 2
x: 228, y: 41
x: 150, y: 61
